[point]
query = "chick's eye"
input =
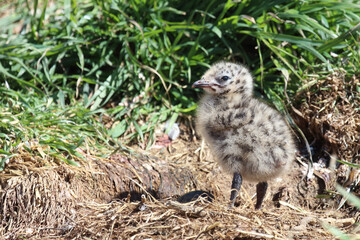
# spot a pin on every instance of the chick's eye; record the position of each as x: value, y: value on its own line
x: 225, y: 78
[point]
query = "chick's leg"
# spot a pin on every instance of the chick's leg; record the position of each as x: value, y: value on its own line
x: 260, y: 193
x: 235, y: 188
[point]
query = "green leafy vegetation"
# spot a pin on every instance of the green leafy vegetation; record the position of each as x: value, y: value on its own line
x: 84, y: 78
x: 28, y: 119
x: 66, y: 64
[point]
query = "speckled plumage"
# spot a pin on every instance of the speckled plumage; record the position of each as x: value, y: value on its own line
x: 246, y: 136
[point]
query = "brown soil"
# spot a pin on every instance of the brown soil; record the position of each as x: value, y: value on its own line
x: 133, y: 194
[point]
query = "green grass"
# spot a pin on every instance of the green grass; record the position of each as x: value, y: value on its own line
x: 63, y: 63
x: 26, y: 120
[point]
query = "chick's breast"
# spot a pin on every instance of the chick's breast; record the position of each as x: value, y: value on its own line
x: 246, y: 137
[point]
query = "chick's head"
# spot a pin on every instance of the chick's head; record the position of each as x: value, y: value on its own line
x: 226, y: 78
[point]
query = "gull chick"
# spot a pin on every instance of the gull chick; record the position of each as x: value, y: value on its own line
x: 247, y: 137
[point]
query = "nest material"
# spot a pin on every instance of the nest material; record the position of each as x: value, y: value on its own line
x: 39, y: 197
x: 200, y: 220
x: 63, y: 202
x: 133, y: 197
x: 331, y: 114
x: 35, y: 202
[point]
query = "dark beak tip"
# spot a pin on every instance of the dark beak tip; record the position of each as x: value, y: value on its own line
x: 195, y: 84
x: 199, y: 84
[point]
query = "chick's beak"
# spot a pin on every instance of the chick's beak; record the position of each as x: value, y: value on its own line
x: 201, y: 84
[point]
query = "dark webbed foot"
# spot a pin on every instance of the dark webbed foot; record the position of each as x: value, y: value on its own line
x: 260, y: 193
x: 235, y: 188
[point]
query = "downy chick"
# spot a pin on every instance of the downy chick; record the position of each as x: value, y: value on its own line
x: 247, y: 137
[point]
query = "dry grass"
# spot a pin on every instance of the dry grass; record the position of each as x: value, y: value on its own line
x: 133, y: 196
x: 171, y: 220
x: 331, y: 114
x: 101, y: 201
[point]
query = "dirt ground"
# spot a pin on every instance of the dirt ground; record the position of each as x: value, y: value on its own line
x: 133, y: 194
x: 123, y: 198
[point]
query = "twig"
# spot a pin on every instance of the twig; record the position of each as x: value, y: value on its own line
x: 292, y: 206
x: 258, y: 234
x: 216, y: 224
